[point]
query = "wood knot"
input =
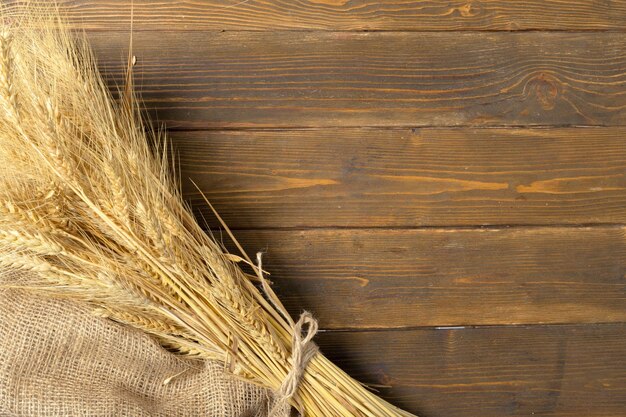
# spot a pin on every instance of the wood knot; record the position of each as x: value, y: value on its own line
x: 545, y: 88
x: 471, y: 9
x: 383, y: 379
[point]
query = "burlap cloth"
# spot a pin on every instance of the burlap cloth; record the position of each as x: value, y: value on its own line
x: 56, y: 359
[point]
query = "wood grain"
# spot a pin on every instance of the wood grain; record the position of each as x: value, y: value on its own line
x: 433, y: 277
x: 200, y: 80
x: 557, y: 371
x: 424, y: 15
x: 407, y: 177
x: 367, y: 209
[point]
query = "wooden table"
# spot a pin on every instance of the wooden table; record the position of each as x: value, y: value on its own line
x: 442, y: 183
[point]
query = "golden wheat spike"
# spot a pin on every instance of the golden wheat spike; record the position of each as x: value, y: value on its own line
x: 88, y: 204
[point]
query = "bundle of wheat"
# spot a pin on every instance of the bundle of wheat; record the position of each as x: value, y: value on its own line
x: 88, y: 202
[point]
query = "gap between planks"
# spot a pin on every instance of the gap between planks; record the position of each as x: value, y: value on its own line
x: 470, y: 327
x: 434, y: 228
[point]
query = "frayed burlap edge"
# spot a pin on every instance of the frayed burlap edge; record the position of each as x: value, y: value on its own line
x: 57, y: 359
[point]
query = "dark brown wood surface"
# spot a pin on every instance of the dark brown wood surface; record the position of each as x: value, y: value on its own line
x: 407, y: 177
x: 492, y: 371
x: 442, y: 183
x: 434, y: 277
x: 200, y: 80
x: 406, y: 15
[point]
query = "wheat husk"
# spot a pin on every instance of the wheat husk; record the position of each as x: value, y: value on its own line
x: 89, y: 206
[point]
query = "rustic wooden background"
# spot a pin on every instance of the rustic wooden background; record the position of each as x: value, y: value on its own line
x: 443, y: 183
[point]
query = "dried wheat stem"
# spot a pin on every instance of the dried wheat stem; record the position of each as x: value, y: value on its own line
x: 87, y: 207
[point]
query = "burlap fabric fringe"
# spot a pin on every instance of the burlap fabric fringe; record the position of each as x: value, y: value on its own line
x: 57, y: 359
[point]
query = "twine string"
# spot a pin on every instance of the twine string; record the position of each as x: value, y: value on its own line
x: 303, y: 349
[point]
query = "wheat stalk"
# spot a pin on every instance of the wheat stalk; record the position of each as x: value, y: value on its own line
x: 87, y: 203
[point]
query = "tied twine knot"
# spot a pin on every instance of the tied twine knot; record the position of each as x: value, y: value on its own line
x: 303, y: 349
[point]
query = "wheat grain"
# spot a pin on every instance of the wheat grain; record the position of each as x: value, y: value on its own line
x: 87, y: 203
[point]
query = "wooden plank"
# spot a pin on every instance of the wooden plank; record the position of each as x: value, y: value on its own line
x: 562, y: 371
x: 408, y: 177
x: 202, y: 80
x: 424, y: 15
x: 433, y: 277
